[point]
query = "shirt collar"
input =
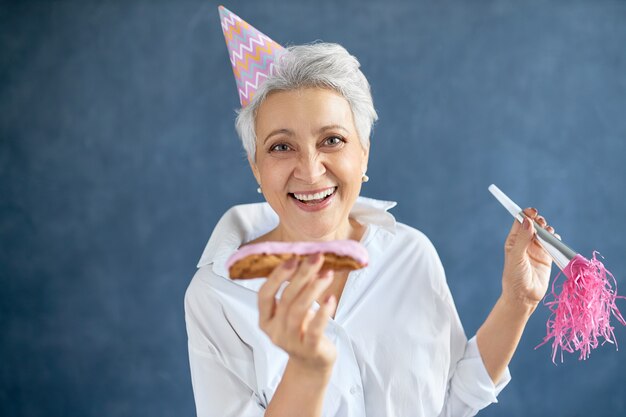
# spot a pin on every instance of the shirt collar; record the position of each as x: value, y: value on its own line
x: 243, y: 223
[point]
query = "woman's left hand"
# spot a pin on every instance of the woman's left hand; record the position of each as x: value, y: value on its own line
x: 524, y: 283
x: 527, y: 265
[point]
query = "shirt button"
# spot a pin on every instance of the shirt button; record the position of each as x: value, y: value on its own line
x: 354, y: 390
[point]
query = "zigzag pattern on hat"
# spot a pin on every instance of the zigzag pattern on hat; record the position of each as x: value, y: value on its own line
x: 252, y: 54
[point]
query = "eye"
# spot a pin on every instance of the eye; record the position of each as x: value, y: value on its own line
x: 279, y: 147
x: 334, y: 140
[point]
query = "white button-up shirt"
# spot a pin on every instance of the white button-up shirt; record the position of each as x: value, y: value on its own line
x: 401, y: 348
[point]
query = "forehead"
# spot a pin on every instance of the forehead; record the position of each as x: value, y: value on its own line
x: 307, y: 108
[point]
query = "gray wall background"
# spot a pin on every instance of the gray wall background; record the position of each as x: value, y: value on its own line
x: 118, y: 155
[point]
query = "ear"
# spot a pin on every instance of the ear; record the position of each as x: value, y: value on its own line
x: 365, y: 160
x: 255, y: 170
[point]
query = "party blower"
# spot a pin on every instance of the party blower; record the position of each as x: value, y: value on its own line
x: 581, y: 312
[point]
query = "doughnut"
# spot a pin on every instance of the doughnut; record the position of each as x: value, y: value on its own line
x: 259, y: 259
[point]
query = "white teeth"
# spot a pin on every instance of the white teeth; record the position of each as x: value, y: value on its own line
x: 316, y: 196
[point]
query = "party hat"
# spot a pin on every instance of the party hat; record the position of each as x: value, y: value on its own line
x: 252, y: 54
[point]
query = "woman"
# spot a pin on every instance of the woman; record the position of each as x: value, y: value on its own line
x: 383, y: 341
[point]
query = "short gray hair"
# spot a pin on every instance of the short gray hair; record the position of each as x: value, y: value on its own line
x: 323, y: 65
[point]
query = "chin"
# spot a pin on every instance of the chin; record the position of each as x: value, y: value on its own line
x: 310, y: 229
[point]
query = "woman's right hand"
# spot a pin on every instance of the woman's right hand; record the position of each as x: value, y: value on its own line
x: 289, y: 321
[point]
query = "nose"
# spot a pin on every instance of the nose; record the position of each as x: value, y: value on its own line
x: 309, y: 167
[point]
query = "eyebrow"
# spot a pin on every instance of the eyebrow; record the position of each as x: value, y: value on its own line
x: 278, y: 132
x: 331, y: 127
x: 290, y: 133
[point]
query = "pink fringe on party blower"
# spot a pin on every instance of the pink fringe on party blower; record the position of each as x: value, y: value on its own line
x: 581, y: 312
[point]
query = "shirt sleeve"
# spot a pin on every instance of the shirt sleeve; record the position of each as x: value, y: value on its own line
x: 217, y: 388
x: 471, y: 388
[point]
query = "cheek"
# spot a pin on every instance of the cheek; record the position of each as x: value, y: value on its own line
x: 349, y: 172
x: 353, y: 165
x: 273, y: 173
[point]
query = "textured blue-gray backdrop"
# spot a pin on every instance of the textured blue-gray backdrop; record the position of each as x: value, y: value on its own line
x: 118, y: 155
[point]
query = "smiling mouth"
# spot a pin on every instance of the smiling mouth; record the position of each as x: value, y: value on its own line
x: 312, y: 199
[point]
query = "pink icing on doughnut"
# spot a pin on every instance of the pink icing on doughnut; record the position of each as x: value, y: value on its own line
x: 350, y: 248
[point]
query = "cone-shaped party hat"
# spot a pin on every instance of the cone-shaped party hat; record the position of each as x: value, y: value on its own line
x: 251, y: 53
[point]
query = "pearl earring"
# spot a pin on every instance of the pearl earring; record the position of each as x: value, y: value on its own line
x: 258, y: 190
x: 365, y: 178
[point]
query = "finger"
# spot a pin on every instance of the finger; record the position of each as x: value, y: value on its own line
x: 531, y: 212
x: 541, y: 221
x: 302, y: 304
x: 515, y: 227
x: 318, y: 324
x: 513, y: 232
x: 316, y: 287
x: 267, y: 292
x: 523, y: 239
x: 306, y: 271
x: 550, y: 229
